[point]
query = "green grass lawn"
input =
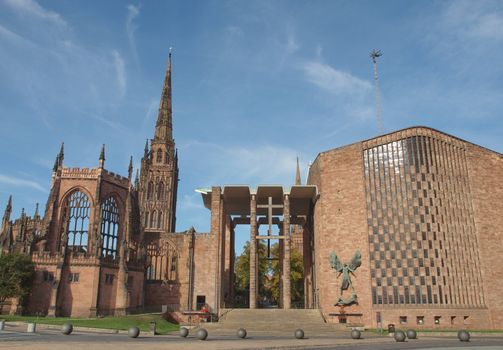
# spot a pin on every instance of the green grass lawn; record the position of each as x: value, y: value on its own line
x: 121, y: 323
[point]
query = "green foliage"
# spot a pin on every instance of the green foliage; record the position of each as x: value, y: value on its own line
x: 242, y: 274
x: 269, y: 275
x: 122, y: 322
x: 16, y: 276
x: 296, y: 273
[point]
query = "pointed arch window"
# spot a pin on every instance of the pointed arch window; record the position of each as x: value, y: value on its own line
x: 160, y: 191
x: 159, y: 220
x: 79, y: 209
x: 159, y: 156
x: 146, y: 218
x: 153, y: 219
x: 150, y: 273
x: 150, y: 190
x: 109, y: 227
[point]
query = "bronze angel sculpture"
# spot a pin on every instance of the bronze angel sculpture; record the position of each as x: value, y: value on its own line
x: 346, y: 270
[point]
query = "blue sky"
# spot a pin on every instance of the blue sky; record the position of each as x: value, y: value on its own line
x: 255, y: 83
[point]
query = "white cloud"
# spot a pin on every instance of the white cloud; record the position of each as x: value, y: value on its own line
x: 334, y: 81
x: 192, y: 201
x: 15, y: 181
x: 132, y: 12
x: 219, y: 165
x: 475, y: 19
x: 15, y: 39
x: 120, y: 70
x: 32, y: 8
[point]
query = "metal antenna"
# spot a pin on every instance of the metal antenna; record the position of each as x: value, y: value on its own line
x: 374, y: 55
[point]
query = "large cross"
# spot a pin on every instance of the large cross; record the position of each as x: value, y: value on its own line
x: 269, y: 207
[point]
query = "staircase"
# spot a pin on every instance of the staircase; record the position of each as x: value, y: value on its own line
x: 272, y: 321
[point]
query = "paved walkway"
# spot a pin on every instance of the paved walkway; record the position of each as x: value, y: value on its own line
x: 15, y: 337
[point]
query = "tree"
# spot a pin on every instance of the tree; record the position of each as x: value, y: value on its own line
x: 16, y: 276
x: 296, y: 274
x: 269, y: 275
x: 242, y: 274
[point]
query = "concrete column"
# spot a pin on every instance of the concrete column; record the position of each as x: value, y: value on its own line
x: 253, y: 252
x: 286, y: 253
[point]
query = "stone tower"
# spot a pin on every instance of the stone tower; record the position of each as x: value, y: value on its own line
x: 159, y: 170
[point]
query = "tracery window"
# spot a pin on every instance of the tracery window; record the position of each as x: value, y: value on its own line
x: 109, y: 227
x: 150, y: 273
x: 146, y: 218
x: 153, y: 219
x: 78, y: 221
x: 150, y: 190
x: 159, y: 220
x: 159, y: 156
x: 160, y: 191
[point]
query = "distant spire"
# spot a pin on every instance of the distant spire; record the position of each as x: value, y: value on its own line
x: 145, y: 152
x: 61, y: 154
x: 22, y: 213
x: 130, y: 168
x: 137, y: 180
x: 297, y: 174
x: 36, y: 210
x: 163, y: 127
x: 102, y: 157
x: 8, y: 210
x: 56, y: 163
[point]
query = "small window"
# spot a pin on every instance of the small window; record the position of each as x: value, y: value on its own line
x: 466, y: 320
x: 420, y: 320
x: 436, y: 320
x: 200, y: 301
x: 73, y: 277
x: 173, y: 263
x: 453, y: 319
x: 48, y: 276
x: 109, y: 278
x: 403, y: 319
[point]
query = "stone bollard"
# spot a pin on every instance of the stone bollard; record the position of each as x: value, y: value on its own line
x: 463, y: 335
x: 152, y: 327
x: 399, y: 336
x: 31, y: 327
x: 411, y: 334
x: 356, y: 334
x: 67, y: 329
x: 241, y: 333
x: 184, y: 332
x: 299, y: 334
x: 2, y: 325
x: 202, y: 334
x: 133, y: 332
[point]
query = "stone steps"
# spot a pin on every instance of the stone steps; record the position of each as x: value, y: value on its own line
x: 272, y: 321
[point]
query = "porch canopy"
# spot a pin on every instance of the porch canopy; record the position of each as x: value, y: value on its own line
x: 237, y: 198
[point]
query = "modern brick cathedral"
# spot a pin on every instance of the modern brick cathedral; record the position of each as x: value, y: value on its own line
x: 404, y: 228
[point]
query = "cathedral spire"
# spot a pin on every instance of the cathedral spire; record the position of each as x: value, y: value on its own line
x: 36, y: 211
x: 8, y: 210
x: 163, y: 127
x: 137, y: 181
x: 56, y: 164
x: 297, y: 174
x: 145, y: 151
x: 130, y: 169
x: 102, y: 157
x: 61, y: 154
